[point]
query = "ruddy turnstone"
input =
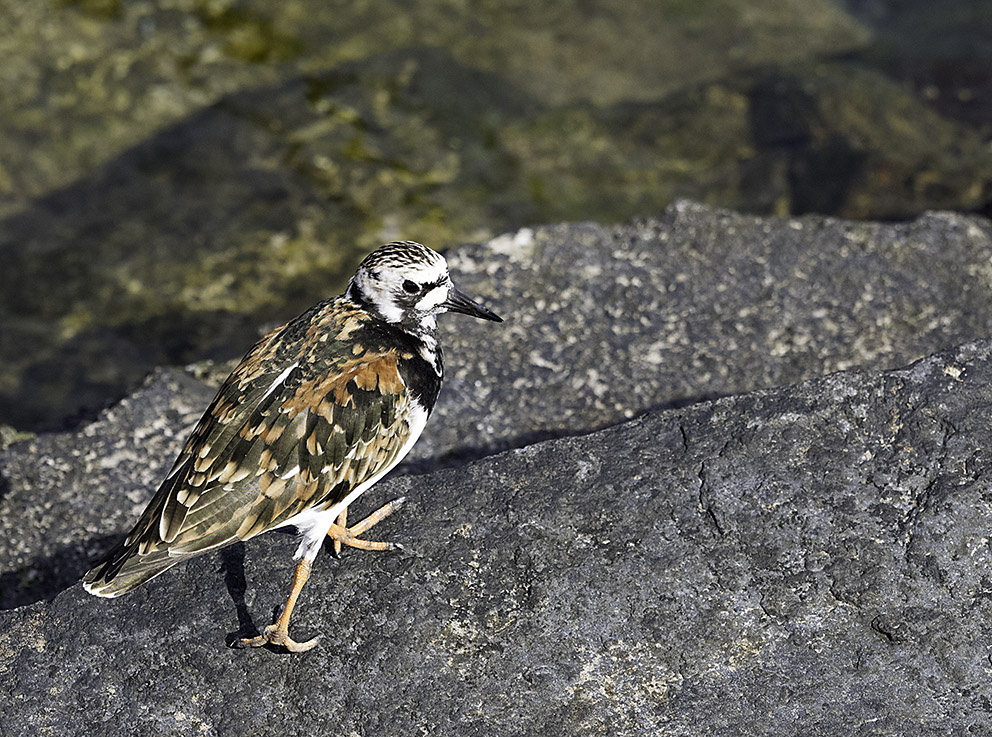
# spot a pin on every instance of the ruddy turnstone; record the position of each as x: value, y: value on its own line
x: 318, y: 411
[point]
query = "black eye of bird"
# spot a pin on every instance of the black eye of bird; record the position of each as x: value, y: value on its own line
x: 410, y: 287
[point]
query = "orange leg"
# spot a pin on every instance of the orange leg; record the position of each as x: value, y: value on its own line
x: 344, y: 535
x: 278, y: 633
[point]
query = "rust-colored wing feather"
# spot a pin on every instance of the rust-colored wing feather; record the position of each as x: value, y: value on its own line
x: 306, y: 417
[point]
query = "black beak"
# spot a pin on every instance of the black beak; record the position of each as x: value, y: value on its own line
x: 458, y: 302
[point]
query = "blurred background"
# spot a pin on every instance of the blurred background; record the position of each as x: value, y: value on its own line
x: 176, y: 174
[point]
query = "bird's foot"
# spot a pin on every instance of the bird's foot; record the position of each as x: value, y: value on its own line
x: 276, y: 635
x: 341, y: 534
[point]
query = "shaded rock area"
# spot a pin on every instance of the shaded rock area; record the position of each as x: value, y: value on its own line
x: 602, y: 325
x: 64, y: 497
x: 814, y: 554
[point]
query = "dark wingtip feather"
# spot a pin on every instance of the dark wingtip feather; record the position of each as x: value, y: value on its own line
x: 123, y: 569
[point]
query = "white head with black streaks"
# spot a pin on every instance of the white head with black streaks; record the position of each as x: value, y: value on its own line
x: 407, y: 284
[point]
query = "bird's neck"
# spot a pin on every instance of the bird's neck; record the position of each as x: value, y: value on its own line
x: 430, y: 351
x: 421, y: 363
x: 417, y: 336
x: 423, y: 330
x: 358, y: 296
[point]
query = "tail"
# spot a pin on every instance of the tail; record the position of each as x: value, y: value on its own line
x: 124, y: 568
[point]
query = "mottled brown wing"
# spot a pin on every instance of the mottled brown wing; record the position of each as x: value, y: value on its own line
x: 243, y: 391
x: 283, y: 435
x: 308, y: 445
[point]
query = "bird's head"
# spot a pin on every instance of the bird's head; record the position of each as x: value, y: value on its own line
x: 407, y: 284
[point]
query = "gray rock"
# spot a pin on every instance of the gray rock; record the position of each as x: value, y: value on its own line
x: 813, y: 555
x: 602, y: 324
x: 65, y: 498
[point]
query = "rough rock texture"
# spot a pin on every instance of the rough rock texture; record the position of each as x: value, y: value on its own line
x: 65, y: 497
x: 816, y: 554
x: 602, y: 324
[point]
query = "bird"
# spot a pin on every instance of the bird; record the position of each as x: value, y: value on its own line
x: 319, y: 410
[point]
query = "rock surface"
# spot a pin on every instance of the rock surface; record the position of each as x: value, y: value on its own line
x: 814, y: 554
x: 602, y: 324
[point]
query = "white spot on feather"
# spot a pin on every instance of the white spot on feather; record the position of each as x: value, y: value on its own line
x: 279, y: 380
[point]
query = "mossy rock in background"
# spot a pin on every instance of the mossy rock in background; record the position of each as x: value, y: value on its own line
x: 174, y: 177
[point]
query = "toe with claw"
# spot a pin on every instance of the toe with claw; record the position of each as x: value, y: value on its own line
x: 275, y: 635
x: 341, y: 534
